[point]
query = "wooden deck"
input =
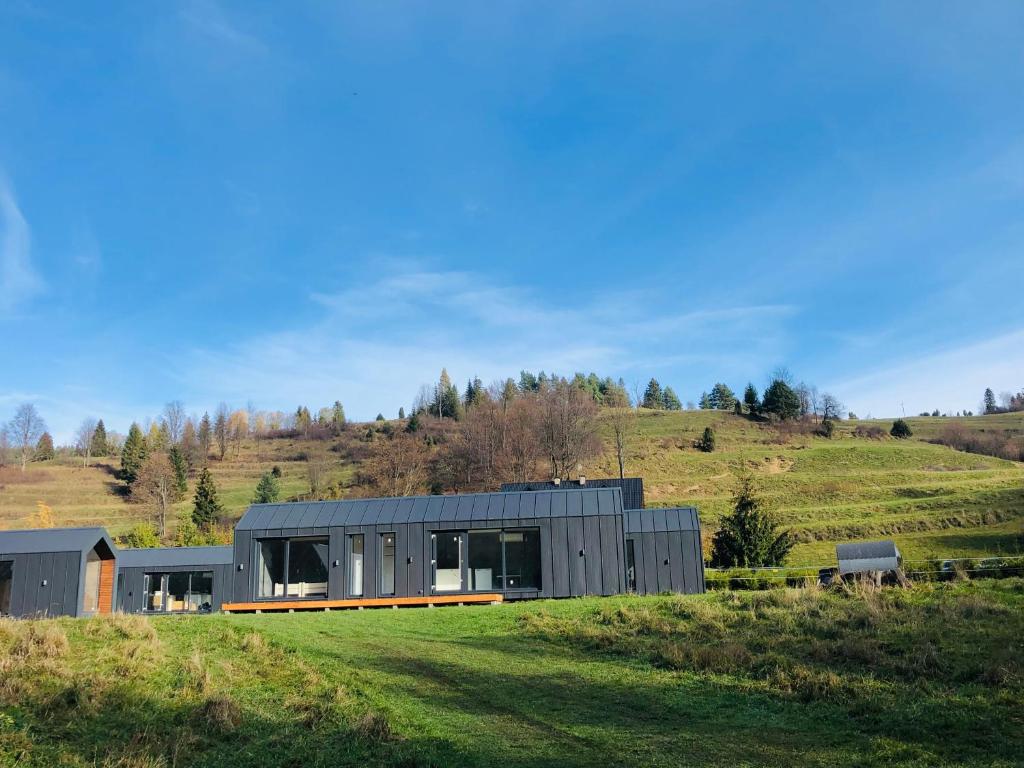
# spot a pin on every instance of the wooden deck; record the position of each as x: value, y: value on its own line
x: 263, y: 606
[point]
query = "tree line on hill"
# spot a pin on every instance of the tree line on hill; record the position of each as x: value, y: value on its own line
x: 1008, y: 402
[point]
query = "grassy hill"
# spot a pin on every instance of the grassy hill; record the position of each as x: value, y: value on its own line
x: 936, y: 502
x: 926, y: 677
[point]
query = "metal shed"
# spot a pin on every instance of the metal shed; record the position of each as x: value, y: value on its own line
x: 632, y: 487
x: 174, y: 579
x: 865, y: 556
x: 663, y: 551
x: 56, y: 572
x: 520, y: 545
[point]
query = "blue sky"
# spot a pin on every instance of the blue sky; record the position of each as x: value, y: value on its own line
x: 290, y: 203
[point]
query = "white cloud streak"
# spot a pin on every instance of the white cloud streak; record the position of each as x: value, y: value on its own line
x: 19, y: 281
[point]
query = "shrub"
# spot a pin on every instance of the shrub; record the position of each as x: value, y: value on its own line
x: 706, y: 442
x: 900, y: 429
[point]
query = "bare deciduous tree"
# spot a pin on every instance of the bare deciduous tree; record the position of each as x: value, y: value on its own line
x: 156, y: 486
x: 398, y: 465
x: 568, y: 427
x: 174, y: 417
x: 623, y: 421
x: 24, y: 430
x: 831, y: 407
x: 83, y: 438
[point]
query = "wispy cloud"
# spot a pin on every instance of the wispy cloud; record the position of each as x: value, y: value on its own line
x: 19, y: 280
x: 208, y: 18
x: 373, y: 345
x: 947, y: 379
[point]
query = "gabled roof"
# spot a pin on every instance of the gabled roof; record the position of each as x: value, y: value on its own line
x: 167, y: 556
x: 655, y: 520
x: 632, y: 487
x: 53, y: 540
x: 433, y: 509
x: 867, y: 550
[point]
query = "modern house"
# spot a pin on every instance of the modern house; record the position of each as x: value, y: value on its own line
x: 632, y: 487
x: 56, y: 572
x: 562, y: 542
x: 173, y: 579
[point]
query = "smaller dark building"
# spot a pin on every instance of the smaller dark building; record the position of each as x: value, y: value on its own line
x: 174, y: 579
x: 632, y: 487
x: 56, y: 572
x: 663, y: 551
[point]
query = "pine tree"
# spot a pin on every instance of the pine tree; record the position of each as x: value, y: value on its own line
x: 721, y: 398
x: 180, y: 466
x: 780, y: 400
x: 748, y: 537
x: 990, y: 401
x: 133, y: 454
x: 337, y: 415
x: 751, y: 400
x: 401, y: 412
x: 670, y: 400
x: 653, y: 397
x: 267, y: 490
x: 44, y: 448
x: 98, y: 445
x: 220, y: 430
x: 705, y: 401
x: 414, y: 422
x: 207, y: 508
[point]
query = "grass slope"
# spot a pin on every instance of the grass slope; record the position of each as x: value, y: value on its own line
x: 928, y: 677
x: 936, y: 502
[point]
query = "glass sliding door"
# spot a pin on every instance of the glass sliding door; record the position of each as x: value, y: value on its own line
x: 447, y: 546
x: 177, y: 591
x: 355, y: 565
x: 307, y: 568
x: 200, y: 591
x: 270, y: 568
x: 387, y: 564
x: 486, y: 568
x: 153, y: 591
x: 522, y: 558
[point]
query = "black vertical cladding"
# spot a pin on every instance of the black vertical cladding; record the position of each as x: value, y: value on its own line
x: 560, y: 554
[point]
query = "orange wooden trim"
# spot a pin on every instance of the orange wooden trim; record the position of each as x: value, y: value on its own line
x: 107, y: 586
x: 369, y: 602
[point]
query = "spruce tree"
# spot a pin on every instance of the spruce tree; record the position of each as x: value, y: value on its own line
x: 98, y: 445
x: 653, y: 398
x: 748, y: 536
x: 751, y: 400
x: 705, y: 401
x: 180, y: 466
x: 207, y: 508
x: 900, y: 430
x: 990, y: 401
x: 721, y: 398
x: 401, y: 412
x: 414, y: 422
x: 133, y: 454
x: 670, y: 400
x: 267, y: 490
x: 337, y: 415
x: 204, y: 436
x: 780, y: 400
x: 706, y: 442
x: 44, y: 448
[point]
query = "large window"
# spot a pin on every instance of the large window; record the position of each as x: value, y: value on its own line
x: 355, y: 565
x: 447, y: 561
x: 91, y: 600
x: 497, y: 559
x: 630, y: 566
x: 387, y: 564
x: 292, y: 567
x: 178, y: 592
x: 6, y: 579
x: 522, y: 558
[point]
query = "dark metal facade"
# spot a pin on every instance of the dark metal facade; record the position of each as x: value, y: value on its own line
x: 664, y: 551
x: 581, y: 538
x: 134, y: 564
x: 48, y: 568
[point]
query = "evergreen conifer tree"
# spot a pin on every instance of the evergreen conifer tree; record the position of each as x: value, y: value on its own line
x: 721, y: 397
x: 204, y: 436
x: 98, y: 445
x: 653, y: 397
x: 670, y: 400
x: 133, y: 454
x: 900, y: 430
x: 706, y: 442
x: 180, y: 466
x: 44, y: 448
x: 267, y: 490
x: 748, y: 536
x: 401, y: 412
x: 990, y: 401
x: 751, y: 400
x: 705, y: 401
x: 207, y: 508
x: 781, y: 400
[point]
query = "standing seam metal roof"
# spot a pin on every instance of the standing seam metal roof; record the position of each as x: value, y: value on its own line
x: 866, y: 550
x: 53, y: 540
x: 571, y: 502
x: 661, y: 519
x: 632, y: 488
x: 159, y: 556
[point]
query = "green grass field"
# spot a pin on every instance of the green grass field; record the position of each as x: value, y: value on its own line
x: 936, y: 502
x: 932, y: 676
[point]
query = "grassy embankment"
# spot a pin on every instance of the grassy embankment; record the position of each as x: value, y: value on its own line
x: 936, y: 502
x: 927, y: 677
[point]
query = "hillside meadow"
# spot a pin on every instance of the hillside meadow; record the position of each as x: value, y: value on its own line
x: 935, y: 501
x: 932, y: 676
